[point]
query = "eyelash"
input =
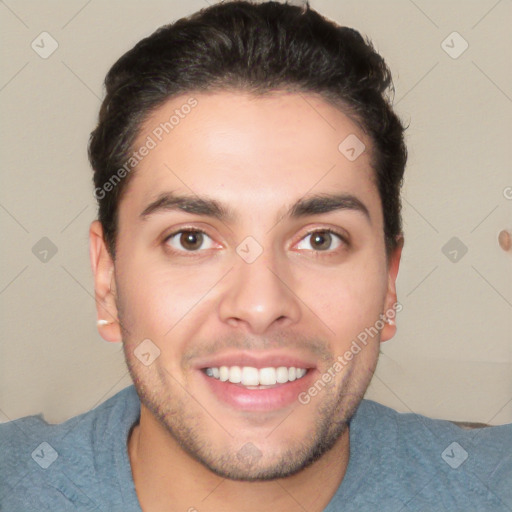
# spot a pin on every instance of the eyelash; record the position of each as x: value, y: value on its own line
x: 344, y: 240
x: 180, y: 232
x: 329, y: 252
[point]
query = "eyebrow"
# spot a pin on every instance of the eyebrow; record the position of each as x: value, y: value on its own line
x: 205, y: 206
x: 326, y: 203
x: 190, y: 204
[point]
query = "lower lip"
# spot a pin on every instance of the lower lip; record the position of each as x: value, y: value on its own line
x: 266, y: 399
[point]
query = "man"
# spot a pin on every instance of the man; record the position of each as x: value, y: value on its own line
x: 247, y: 166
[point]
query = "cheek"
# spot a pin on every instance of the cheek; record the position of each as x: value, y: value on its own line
x: 156, y: 296
x: 154, y: 303
x: 348, y: 298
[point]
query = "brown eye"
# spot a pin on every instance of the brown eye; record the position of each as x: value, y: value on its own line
x: 323, y: 240
x: 189, y: 240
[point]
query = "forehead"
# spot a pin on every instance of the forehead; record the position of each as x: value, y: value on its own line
x: 244, y: 150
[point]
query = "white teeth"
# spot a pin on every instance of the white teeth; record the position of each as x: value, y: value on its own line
x: 282, y: 374
x: 268, y: 376
x: 250, y: 376
x: 301, y: 372
x: 223, y: 373
x: 235, y: 374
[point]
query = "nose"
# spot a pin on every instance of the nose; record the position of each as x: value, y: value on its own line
x: 259, y: 295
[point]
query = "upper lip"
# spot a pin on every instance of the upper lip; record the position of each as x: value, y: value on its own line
x: 255, y: 360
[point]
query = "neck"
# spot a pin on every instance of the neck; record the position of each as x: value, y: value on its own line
x: 167, y: 478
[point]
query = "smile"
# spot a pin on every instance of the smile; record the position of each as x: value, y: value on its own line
x: 256, y: 378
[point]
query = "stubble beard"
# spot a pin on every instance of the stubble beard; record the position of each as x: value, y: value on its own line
x: 174, y: 409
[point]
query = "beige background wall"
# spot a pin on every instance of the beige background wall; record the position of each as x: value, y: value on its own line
x: 452, y: 356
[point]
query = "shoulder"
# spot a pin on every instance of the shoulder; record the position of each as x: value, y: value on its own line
x: 425, y: 462
x: 416, y: 431
x: 44, y: 466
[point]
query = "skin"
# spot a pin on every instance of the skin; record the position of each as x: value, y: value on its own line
x: 256, y: 156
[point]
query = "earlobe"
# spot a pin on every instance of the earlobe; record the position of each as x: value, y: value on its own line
x: 104, y: 284
x: 391, y: 302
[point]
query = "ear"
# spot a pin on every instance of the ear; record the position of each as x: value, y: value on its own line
x: 104, y: 284
x: 389, y: 330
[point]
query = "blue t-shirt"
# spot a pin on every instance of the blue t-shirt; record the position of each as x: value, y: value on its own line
x: 398, y: 462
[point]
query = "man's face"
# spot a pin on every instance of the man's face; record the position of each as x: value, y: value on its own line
x: 231, y: 275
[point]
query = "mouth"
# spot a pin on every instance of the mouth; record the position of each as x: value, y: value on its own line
x: 245, y: 382
x: 251, y: 377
